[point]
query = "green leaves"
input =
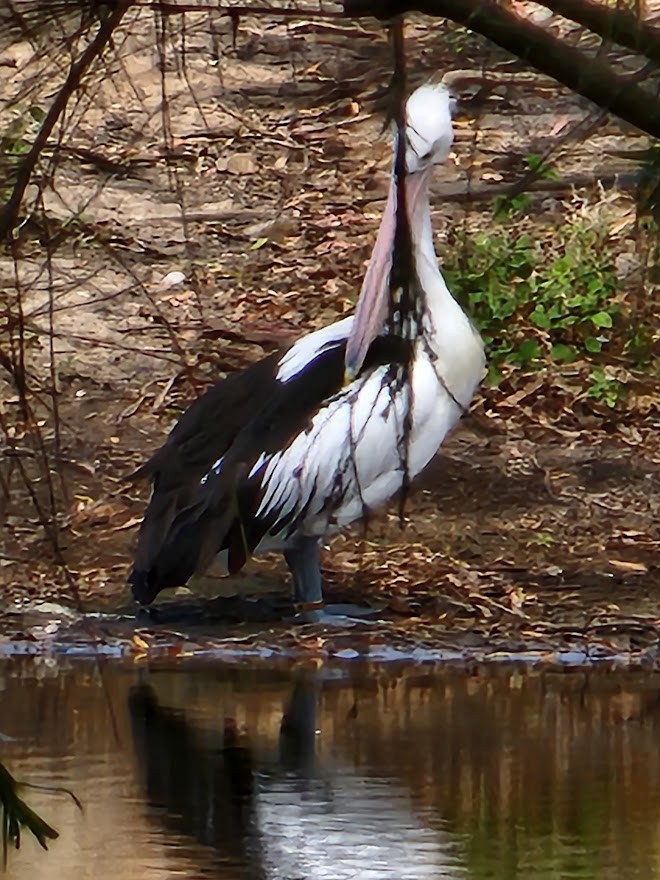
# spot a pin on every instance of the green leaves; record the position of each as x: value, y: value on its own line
x: 541, y: 318
x: 602, y: 319
x: 562, y: 352
x: 37, y: 113
x: 528, y: 351
x: 534, y: 300
x: 604, y: 387
x: 540, y: 166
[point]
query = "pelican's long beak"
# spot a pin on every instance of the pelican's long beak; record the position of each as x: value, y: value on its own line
x: 373, y: 305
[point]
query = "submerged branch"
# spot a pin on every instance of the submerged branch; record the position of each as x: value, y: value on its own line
x: 15, y: 814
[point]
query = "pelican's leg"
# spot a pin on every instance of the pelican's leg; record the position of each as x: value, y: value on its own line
x: 304, y: 561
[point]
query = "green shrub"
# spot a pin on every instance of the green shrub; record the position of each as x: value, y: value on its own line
x: 535, y: 301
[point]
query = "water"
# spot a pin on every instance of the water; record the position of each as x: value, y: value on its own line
x: 188, y: 771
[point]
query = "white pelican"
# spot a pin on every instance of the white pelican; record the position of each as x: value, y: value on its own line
x: 307, y: 441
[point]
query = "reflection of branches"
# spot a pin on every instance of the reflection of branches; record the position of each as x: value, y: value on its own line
x: 15, y: 814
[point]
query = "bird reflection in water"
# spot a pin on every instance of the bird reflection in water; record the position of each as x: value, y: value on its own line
x: 282, y: 812
x: 199, y: 792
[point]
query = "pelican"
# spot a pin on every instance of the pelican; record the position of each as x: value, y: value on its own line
x: 311, y: 439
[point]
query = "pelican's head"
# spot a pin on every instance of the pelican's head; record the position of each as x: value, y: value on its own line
x: 429, y: 129
x: 429, y: 135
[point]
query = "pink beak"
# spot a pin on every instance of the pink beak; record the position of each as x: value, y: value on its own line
x: 373, y: 305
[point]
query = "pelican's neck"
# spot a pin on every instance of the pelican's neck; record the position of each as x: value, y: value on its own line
x: 434, y: 289
x: 437, y: 318
x: 445, y: 330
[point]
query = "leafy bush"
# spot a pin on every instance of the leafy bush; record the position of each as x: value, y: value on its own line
x: 554, y: 300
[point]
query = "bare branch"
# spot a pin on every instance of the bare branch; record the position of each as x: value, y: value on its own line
x: 593, y: 78
x: 618, y: 25
x: 9, y: 211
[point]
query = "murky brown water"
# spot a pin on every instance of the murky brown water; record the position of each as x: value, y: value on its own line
x: 376, y: 773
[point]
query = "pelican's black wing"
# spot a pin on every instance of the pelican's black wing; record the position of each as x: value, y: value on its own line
x: 203, y: 501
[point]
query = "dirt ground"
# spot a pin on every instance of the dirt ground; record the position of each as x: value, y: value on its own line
x: 258, y: 171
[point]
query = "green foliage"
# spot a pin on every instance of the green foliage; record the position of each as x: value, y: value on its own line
x: 17, y: 138
x: 640, y: 344
x: 509, y: 206
x: 648, y: 179
x: 604, y: 388
x: 461, y: 39
x: 540, y: 167
x: 15, y: 141
x: 531, y: 301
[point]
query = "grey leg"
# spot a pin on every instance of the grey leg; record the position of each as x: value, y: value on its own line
x: 303, y: 559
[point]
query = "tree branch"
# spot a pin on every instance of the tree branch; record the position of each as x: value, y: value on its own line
x: 9, y: 211
x: 617, y: 25
x: 593, y: 78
